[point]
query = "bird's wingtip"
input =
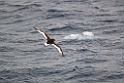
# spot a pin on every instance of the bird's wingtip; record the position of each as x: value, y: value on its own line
x: 35, y: 28
x: 63, y: 55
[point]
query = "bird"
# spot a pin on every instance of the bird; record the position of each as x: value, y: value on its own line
x: 50, y: 41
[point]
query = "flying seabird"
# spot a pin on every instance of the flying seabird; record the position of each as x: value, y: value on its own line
x: 50, y: 41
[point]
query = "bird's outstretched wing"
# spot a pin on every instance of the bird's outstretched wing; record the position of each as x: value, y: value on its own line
x: 59, y: 48
x: 42, y: 32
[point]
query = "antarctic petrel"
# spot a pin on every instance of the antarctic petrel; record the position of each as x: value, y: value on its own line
x: 50, y: 41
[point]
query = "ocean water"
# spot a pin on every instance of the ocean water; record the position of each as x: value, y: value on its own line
x: 90, y: 33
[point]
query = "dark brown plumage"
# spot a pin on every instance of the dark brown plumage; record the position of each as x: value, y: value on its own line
x: 50, y: 41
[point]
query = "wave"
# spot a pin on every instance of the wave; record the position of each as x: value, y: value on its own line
x: 83, y: 36
x: 65, y: 28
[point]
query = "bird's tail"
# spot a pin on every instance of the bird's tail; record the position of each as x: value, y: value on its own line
x: 46, y: 44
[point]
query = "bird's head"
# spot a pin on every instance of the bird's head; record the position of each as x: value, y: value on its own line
x: 53, y: 39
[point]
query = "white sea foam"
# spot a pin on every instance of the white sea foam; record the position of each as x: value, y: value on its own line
x: 83, y: 36
x: 86, y: 33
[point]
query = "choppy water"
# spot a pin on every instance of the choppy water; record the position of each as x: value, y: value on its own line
x: 96, y: 57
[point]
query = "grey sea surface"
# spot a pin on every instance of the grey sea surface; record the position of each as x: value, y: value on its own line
x: 90, y: 33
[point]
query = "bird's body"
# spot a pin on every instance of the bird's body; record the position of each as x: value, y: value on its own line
x: 50, y: 41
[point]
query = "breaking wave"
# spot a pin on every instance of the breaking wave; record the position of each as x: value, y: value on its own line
x: 83, y: 36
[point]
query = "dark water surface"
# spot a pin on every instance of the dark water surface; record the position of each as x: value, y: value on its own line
x: 90, y: 32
